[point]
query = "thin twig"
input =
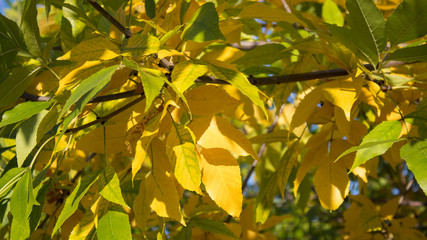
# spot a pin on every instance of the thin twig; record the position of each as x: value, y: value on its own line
x: 105, y: 118
x: 105, y: 98
x: 110, y: 18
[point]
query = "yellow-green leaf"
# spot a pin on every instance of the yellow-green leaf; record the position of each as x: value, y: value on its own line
x: 185, y: 73
x: 267, y: 13
x: 142, y: 44
x: 109, y: 186
x: 93, y: 49
x: 187, y: 170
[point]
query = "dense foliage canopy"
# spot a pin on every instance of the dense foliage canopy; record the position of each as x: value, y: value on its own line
x: 213, y: 119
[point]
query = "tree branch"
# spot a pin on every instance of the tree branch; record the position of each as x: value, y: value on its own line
x: 110, y: 18
x: 105, y: 118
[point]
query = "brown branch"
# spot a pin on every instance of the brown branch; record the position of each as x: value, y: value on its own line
x: 105, y: 118
x: 105, y: 98
x: 110, y: 18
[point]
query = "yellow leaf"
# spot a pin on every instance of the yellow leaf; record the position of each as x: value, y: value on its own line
x: 231, y: 29
x: 141, y: 204
x: 226, y: 54
x: 73, y: 73
x: 332, y: 184
x: 267, y: 13
x: 389, y: 209
x: 187, y: 170
x: 185, y: 73
x: 150, y: 130
x: 93, y: 49
x: 161, y: 182
x: 229, y: 73
x: 222, y: 179
x: 83, y: 228
x: 313, y: 157
x: 209, y: 99
x: 305, y: 108
x: 340, y: 93
x: 217, y: 132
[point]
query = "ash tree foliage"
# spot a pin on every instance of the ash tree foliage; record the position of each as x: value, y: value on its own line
x: 188, y: 119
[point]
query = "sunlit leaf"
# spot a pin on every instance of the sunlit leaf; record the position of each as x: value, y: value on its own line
x: 152, y: 84
x: 98, y: 48
x: 97, y: 81
x: 22, y: 111
x: 415, y: 155
x: 142, y: 44
x: 22, y: 201
x: 238, y: 80
x: 114, y: 226
x: 9, y: 179
x: 332, y: 14
x: 209, y: 99
x: 161, y: 182
x: 216, y: 132
x: 109, y: 186
x: 187, y: 170
x: 185, y: 73
x: 384, y: 134
x: 221, y: 177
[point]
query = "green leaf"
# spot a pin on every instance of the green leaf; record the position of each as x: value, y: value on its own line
x: 11, y: 42
x: 73, y: 200
x: 415, y: 155
x: 381, y: 137
x: 203, y: 26
x: 26, y: 137
x: 332, y: 14
x: 185, y: 73
x: 13, y: 87
x: 21, y: 203
x: 212, y: 226
x: 238, y: 80
x: 109, y: 186
x: 142, y: 44
x: 150, y: 8
x: 114, y: 226
x: 407, y: 22
x: 97, y: 81
x: 152, y: 84
x: 9, y: 179
x: 30, y: 29
x: 264, y: 54
x: 367, y: 25
x: 264, y: 199
x: 419, y: 118
x: 22, y: 111
x: 410, y: 54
